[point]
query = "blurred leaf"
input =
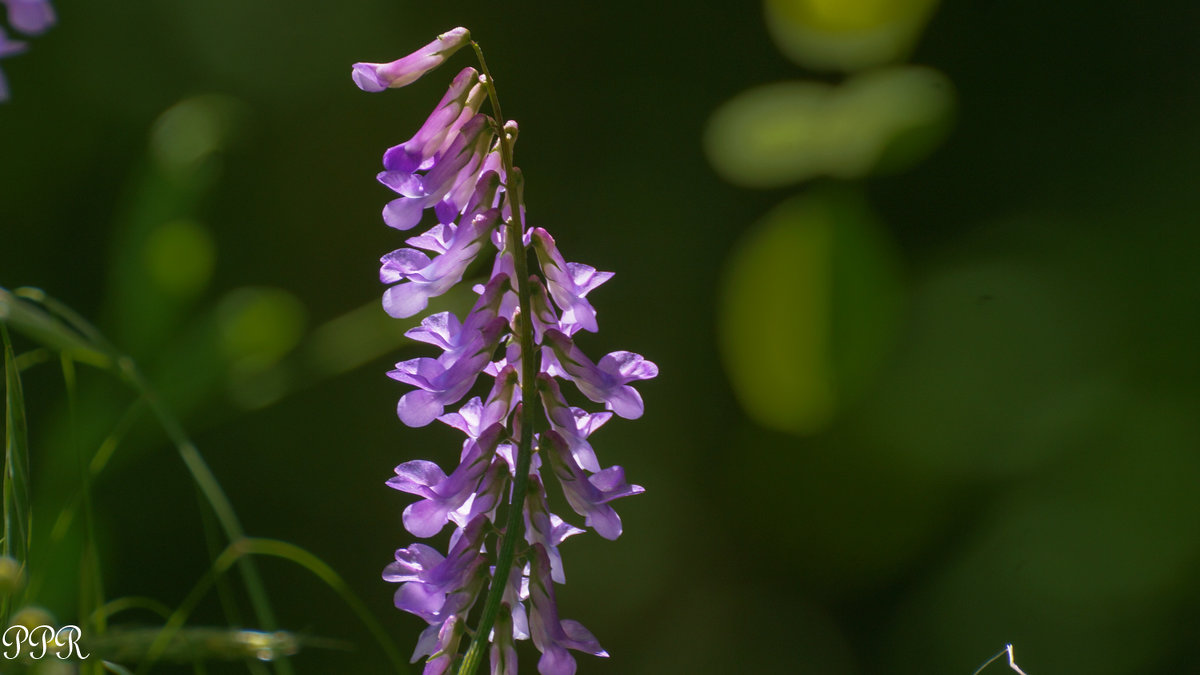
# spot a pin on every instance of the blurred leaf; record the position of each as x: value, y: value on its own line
x: 792, y: 131
x: 846, y: 34
x: 809, y: 306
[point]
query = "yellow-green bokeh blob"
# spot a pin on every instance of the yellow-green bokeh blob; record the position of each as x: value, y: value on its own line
x: 789, y: 132
x: 809, y: 305
x: 258, y: 326
x: 193, y: 129
x: 179, y: 256
x: 846, y: 35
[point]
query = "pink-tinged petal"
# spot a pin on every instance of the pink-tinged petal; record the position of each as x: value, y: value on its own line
x: 436, y: 239
x: 625, y: 401
x: 628, y: 366
x: 585, y: 277
x: 604, y: 521
x: 420, y: 599
x: 611, y: 482
x: 404, y: 183
x: 582, y: 638
x: 467, y: 418
x: 556, y: 660
x: 401, y: 264
x: 425, y: 518
x: 439, y: 329
x: 405, y: 299
x: 411, y: 563
x: 416, y: 153
x: 403, y: 213
x: 417, y: 477
x: 418, y: 408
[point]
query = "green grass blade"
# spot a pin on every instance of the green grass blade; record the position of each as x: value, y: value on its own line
x: 268, y: 547
x: 18, y: 519
x: 34, y: 323
x: 128, y: 603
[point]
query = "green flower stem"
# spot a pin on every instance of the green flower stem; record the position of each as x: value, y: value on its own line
x: 513, y: 529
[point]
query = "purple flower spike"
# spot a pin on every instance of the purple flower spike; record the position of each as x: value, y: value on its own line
x: 553, y: 637
x: 375, y: 77
x: 460, y: 165
x: 604, y: 382
x: 443, y: 494
x: 589, y: 495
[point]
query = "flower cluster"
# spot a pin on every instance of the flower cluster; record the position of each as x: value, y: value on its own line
x: 520, y: 334
x: 31, y: 17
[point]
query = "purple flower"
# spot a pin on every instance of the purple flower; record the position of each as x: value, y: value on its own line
x: 435, y: 587
x: 440, y: 643
x: 475, y: 416
x: 573, y: 424
x: 504, y: 648
x: 604, y: 382
x: 443, y: 494
x: 460, y: 104
x: 417, y: 278
x: 552, y: 636
x: 546, y: 529
x: 459, y: 163
x: 374, y: 77
x: 589, y: 495
x: 419, y: 192
x: 568, y: 283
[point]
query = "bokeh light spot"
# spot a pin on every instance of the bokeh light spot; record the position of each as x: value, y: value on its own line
x: 179, y: 257
x: 795, y: 336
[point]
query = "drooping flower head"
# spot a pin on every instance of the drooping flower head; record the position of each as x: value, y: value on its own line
x: 30, y: 17
x: 458, y: 168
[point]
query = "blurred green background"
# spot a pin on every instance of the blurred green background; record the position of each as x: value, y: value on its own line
x: 928, y: 359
